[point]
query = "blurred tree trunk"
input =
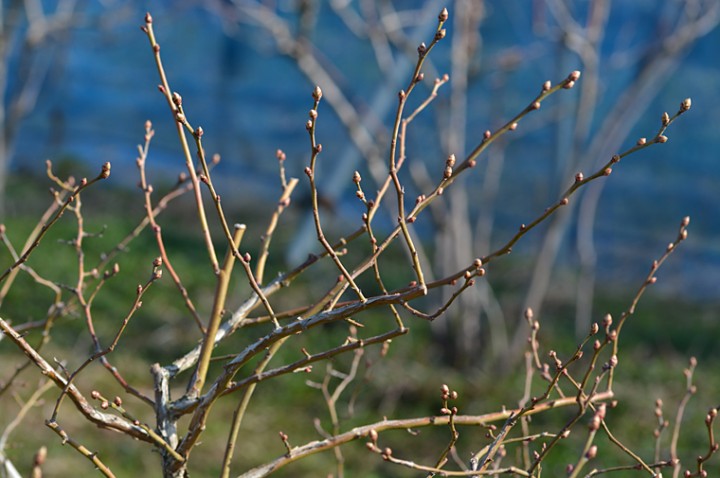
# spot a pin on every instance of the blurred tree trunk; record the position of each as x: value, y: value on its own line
x: 460, y: 332
x: 597, y: 139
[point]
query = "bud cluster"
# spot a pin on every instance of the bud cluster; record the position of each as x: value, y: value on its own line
x: 449, y: 163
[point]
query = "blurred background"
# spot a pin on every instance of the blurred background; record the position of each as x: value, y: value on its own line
x: 79, y: 82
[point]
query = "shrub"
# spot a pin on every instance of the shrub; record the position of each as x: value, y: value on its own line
x: 361, y: 307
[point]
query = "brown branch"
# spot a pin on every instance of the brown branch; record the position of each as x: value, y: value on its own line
x: 410, y: 423
x: 104, y: 174
x: 101, y: 419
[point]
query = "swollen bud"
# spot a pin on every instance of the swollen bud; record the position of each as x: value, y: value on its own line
x: 591, y: 453
x: 443, y: 15
x: 105, y: 172
x: 685, y: 105
x: 317, y: 93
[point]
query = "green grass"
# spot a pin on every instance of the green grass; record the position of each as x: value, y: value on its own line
x: 655, y: 346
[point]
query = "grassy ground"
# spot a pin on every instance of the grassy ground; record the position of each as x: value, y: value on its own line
x: 655, y: 348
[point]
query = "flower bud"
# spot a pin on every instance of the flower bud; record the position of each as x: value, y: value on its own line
x: 591, y: 453
x: 105, y: 171
x: 317, y: 93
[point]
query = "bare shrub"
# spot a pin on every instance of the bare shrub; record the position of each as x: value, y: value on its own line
x: 263, y: 339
